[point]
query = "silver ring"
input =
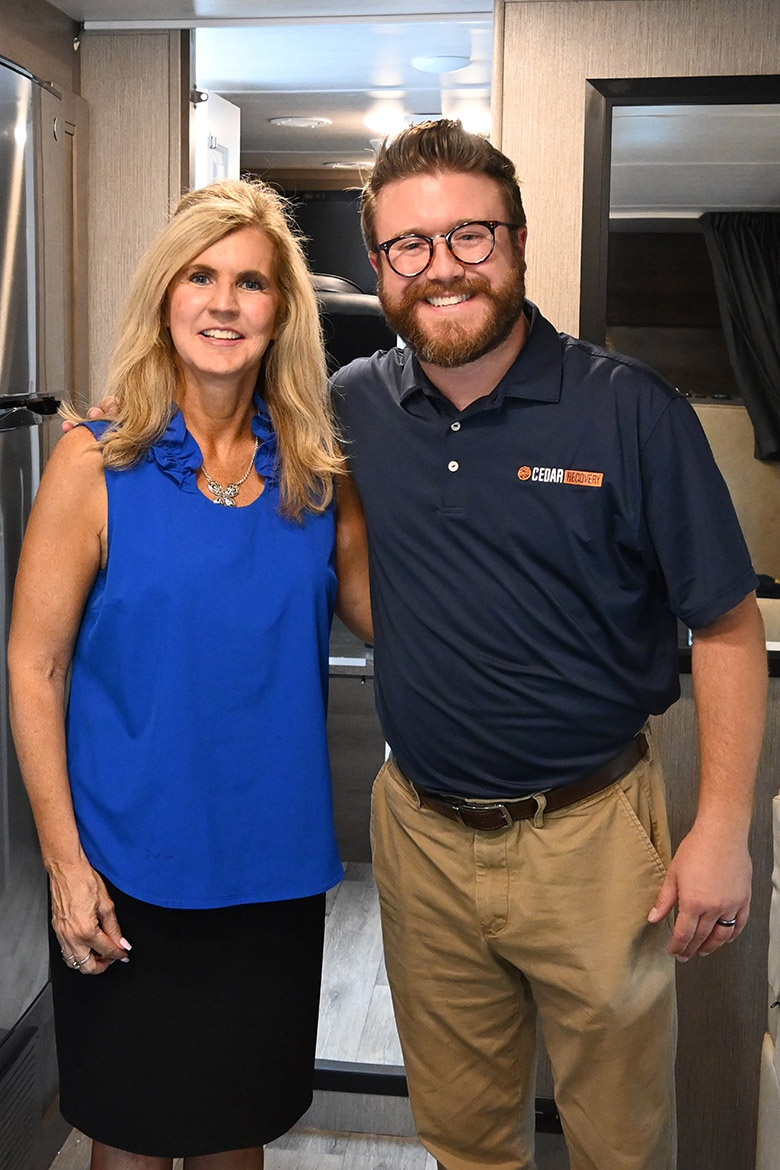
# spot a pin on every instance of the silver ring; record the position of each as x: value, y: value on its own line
x: 79, y: 963
x: 727, y: 922
x: 68, y: 958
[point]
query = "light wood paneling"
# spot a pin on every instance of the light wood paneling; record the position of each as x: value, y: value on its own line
x: 722, y: 999
x: 135, y: 85
x: 39, y: 37
x: 754, y: 485
x: 62, y: 182
x: 550, y: 48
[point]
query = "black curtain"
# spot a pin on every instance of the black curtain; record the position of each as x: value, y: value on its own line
x: 744, y: 249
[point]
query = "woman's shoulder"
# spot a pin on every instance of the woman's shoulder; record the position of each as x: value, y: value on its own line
x: 75, y: 464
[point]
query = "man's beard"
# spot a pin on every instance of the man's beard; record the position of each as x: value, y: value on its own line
x: 453, y: 345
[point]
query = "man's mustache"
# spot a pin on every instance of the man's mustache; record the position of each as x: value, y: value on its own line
x: 455, y: 288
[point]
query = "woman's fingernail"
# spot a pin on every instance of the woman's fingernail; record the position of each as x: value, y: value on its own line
x: 124, y: 943
x: 124, y: 960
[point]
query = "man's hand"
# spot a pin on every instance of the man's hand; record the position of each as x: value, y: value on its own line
x: 708, y: 879
x: 106, y: 408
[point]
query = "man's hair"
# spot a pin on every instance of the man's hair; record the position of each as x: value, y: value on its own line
x: 144, y: 375
x: 432, y: 148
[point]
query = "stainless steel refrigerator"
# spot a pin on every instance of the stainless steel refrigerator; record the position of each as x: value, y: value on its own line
x: 27, y: 1078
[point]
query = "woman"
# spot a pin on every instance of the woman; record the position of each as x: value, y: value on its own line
x: 183, y: 803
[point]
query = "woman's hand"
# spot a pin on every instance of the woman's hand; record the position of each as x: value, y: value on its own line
x: 84, y: 919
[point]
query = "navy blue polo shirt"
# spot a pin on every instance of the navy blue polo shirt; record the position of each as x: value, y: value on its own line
x: 529, y: 557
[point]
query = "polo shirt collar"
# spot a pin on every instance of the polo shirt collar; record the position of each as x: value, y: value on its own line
x: 535, y: 374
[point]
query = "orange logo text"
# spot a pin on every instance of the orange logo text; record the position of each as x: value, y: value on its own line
x: 560, y: 475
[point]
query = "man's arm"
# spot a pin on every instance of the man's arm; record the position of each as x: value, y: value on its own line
x: 710, y: 875
x: 353, y: 603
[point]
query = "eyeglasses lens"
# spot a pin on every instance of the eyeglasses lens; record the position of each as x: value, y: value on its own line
x: 471, y: 242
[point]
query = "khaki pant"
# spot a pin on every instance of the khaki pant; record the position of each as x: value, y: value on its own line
x: 484, y: 931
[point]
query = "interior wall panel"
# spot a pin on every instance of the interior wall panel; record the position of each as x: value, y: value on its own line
x: 550, y: 48
x: 135, y: 85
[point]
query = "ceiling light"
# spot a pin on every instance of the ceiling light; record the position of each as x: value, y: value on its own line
x: 343, y: 166
x: 386, y: 120
x: 300, y: 123
x: 440, y: 64
x: 475, y: 119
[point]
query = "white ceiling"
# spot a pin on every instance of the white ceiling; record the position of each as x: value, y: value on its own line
x: 172, y: 13
x: 320, y: 57
x: 345, y: 72
x: 683, y: 160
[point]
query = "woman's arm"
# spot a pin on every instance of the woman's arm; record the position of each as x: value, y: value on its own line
x: 353, y: 603
x: 63, y: 550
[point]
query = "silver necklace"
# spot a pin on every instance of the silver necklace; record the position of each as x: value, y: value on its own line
x: 227, y: 495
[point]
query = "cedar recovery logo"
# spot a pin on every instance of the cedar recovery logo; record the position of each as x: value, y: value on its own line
x: 560, y: 475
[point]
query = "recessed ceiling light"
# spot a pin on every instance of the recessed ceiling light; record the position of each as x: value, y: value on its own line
x: 301, y: 123
x: 385, y: 119
x: 343, y: 166
x: 440, y: 64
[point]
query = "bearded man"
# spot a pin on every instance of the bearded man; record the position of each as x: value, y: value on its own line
x: 539, y: 513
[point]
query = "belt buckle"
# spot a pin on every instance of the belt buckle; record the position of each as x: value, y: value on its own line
x: 479, y: 808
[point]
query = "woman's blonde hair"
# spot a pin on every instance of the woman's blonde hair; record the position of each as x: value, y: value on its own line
x: 144, y: 376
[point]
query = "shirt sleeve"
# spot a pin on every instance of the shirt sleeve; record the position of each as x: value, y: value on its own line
x: 692, y: 521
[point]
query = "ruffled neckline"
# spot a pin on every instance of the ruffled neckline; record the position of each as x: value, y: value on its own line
x: 178, y: 455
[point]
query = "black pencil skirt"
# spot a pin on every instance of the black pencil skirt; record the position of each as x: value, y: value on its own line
x: 205, y: 1040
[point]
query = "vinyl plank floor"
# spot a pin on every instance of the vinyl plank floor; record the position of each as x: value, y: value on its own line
x: 379, y: 1043
x: 351, y: 964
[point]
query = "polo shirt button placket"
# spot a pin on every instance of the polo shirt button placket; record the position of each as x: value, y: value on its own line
x: 454, y: 484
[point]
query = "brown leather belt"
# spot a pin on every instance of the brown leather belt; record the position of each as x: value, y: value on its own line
x: 501, y: 814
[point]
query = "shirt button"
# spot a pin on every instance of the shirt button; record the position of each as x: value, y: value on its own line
x: 453, y: 465
x: 455, y: 426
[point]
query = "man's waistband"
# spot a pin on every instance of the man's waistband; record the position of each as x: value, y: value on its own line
x: 490, y: 815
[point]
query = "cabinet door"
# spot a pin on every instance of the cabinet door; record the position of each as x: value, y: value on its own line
x: 61, y: 188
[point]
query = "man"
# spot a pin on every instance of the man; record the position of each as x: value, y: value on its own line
x: 539, y: 513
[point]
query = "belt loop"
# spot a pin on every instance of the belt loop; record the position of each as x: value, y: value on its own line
x: 646, y: 743
x: 541, y: 805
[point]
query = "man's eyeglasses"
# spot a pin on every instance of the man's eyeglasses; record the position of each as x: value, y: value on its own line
x: 469, y: 243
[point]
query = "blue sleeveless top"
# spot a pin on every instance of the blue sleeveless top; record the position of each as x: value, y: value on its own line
x: 197, y: 753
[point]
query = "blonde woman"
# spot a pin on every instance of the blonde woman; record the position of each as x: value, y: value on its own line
x: 181, y: 561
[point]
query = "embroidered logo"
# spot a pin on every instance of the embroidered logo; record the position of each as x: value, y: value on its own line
x: 586, y: 478
x: 561, y: 475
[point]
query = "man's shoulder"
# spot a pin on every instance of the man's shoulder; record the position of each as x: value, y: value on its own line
x: 592, y: 368
x: 385, y: 367
x: 610, y: 362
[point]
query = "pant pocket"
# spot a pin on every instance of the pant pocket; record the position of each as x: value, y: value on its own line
x: 636, y: 800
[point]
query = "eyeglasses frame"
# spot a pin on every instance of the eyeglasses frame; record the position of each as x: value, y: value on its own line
x: 490, y: 224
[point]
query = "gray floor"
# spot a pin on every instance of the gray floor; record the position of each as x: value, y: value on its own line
x: 356, y: 1014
